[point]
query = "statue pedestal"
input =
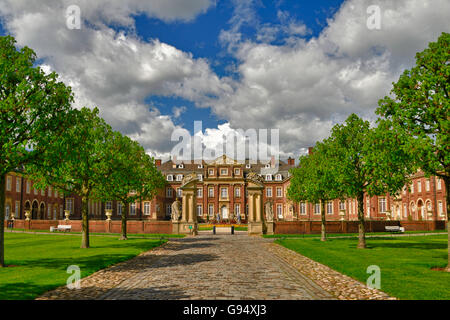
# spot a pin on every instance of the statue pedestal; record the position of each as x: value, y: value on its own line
x: 255, y: 228
x: 269, y: 227
x: 190, y: 228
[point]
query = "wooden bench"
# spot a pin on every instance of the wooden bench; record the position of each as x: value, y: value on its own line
x: 61, y: 227
x: 394, y: 229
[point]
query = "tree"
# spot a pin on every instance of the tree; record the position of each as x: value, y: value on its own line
x: 133, y: 176
x: 34, y: 109
x: 365, y: 160
x: 420, y: 109
x: 78, y: 162
x: 314, y: 181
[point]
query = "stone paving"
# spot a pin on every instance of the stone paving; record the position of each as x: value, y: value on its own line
x: 225, y: 267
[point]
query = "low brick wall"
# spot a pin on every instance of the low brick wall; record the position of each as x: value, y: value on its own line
x: 99, y: 226
x: 314, y: 227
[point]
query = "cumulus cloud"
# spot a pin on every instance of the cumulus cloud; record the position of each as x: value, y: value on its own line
x: 304, y: 86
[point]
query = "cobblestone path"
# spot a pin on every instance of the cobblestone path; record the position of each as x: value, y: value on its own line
x: 225, y: 267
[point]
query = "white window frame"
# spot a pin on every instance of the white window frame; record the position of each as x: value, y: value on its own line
x: 8, y: 183
x: 211, y: 209
x: 440, y: 208
x: 147, y: 208
x: 382, y: 205
x: 330, y: 206
x: 237, y: 208
x: 169, y: 192
x: 200, y: 192
x: 179, y: 177
x: 268, y: 177
x: 18, y: 183
x: 427, y: 185
x: 108, y: 205
x: 222, y: 189
x: 419, y: 186
x: 211, y: 192
x: 237, y: 171
x: 280, y: 210
x: 303, y: 208
x: 222, y: 170
x: 237, y: 192
x: 199, y: 210
x: 278, y: 177
x: 170, y: 177
x: 280, y: 194
x: 269, y: 192
x: 317, y: 206
x: 132, y: 209
x: 28, y: 187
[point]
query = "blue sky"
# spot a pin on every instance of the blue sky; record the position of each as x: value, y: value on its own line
x: 154, y: 67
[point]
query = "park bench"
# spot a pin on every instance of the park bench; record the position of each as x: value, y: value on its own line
x: 61, y: 227
x: 394, y: 229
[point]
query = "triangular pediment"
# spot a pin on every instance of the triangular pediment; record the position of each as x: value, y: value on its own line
x: 224, y: 159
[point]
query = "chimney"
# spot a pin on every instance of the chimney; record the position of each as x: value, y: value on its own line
x: 272, y: 162
x: 158, y: 162
x: 291, y: 161
x: 174, y: 161
x: 310, y: 150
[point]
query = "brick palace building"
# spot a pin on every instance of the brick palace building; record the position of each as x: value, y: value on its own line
x: 222, y: 188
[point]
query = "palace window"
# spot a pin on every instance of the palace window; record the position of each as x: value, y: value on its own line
x: 168, y: 210
x: 280, y: 210
x: 412, y: 187
x: 278, y: 177
x: 330, y: 207
x: 17, y: 209
x: 69, y: 205
x: 279, y: 192
x: 119, y: 208
x: 211, y: 192
x: 211, y: 172
x: 427, y: 185
x: 302, y: 208
x: 439, y: 183
x: 8, y: 183
x: 211, y: 210
x: 268, y: 177
x: 224, y: 193
x: 200, y: 177
x: 317, y: 208
x: 28, y: 186
x: 382, y: 205
x: 179, y: 192
x: 237, y: 172
x: 223, y: 172
x: 419, y: 186
x: 440, y: 209
x: 237, y: 192
x: 179, y: 177
x: 18, y: 182
x: 200, y: 192
x: 269, y: 192
x: 169, y: 193
x: 108, y: 205
x: 342, y: 205
x: 147, y: 208
x: 132, y: 209
x: 169, y: 177
x: 237, y: 208
x: 199, y: 210
x: 405, y: 210
x: 7, y: 211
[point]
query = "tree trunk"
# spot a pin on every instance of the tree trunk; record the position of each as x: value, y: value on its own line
x: 2, y: 220
x: 323, y: 236
x: 124, y: 222
x: 361, y: 227
x: 85, y: 221
x: 447, y: 198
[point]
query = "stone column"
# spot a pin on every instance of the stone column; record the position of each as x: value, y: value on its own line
x: 250, y: 207
x: 258, y: 208
x: 184, y: 208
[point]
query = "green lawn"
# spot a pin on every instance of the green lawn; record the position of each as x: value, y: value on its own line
x: 301, y: 235
x: 40, y: 261
x: 405, y: 262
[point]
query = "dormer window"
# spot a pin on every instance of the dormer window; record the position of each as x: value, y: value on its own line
x: 268, y: 177
x: 179, y: 177
x: 170, y: 177
x: 278, y: 177
x: 200, y: 177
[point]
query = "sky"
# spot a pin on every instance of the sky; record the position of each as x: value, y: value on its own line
x: 154, y: 67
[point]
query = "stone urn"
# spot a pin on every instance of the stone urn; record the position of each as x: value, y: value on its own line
x: 67, y: 214
x: 388, y: 216
x: 108, y: 214
x: 27, y: 215
x: 342, y: 215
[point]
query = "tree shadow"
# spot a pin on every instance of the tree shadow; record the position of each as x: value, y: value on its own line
x: 22, y: 290
x: 160, y: 293
x: 399, y: 244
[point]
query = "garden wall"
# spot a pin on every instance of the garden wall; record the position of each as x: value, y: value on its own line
x: 98, y: 226
x: 311, y: 227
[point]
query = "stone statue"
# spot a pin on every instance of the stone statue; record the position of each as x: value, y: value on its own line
x: 176, y: 210
x: 188, y: 178
x: 254, y: 176
x: 269, y: 211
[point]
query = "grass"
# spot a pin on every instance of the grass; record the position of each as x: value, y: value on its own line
x: 405, y: 262
x: 129, y: 235
x: 206, y: 227
x: 301, y: 235
x: 39, y: 262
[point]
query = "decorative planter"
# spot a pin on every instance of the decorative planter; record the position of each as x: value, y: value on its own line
x: 27, y: 215
x: 67, y: 214
x: 108, y: 214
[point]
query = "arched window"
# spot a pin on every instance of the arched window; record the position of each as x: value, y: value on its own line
x: 278, y: 177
